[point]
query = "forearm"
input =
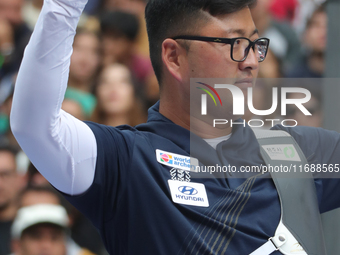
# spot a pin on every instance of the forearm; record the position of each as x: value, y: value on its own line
x: 42, y: 79
x: 56, y: 143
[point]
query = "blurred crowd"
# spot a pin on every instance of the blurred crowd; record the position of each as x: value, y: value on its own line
x: 112, y: 82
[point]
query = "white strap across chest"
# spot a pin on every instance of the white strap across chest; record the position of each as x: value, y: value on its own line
x: 283, y: 241
x: 267, y: 248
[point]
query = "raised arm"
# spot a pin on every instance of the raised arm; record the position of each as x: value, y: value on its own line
x: 61, y: 147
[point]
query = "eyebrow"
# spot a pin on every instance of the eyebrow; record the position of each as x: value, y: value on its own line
x: 242, y: 32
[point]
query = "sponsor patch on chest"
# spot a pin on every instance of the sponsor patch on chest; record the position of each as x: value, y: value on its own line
x: 188, y: 193
x: 176, y: 160
x: 180, y: 175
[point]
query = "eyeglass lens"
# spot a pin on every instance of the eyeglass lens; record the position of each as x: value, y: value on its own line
x: 241, y: 49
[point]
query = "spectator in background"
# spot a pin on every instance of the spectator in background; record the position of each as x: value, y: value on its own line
x: 10, y: 10
x: 304, y: 12
x: 119, y: 32
x: 34, y: 178
x: 271, y: 68
x: 284, y: 10
x: 82, y: 231
x: 5, y: 132
x: 313, y: 106
x: 14, y: 36
x: 40, y: 229
x: 6, y: 79
x: 73, y: 107
x: 133, y: 6
x: 312, y: 63
x: 136, y: 7
x: 85, y: 62
x: 117, y: 100
x: 6, y: 46
x: 7, y: 89
x: 92, y: 7
x: 11, y: 184
x: 33, y: 195
x: 31, y: 11
x: 284, y: 42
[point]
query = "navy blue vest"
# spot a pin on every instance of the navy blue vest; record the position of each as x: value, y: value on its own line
x: 130, y: 201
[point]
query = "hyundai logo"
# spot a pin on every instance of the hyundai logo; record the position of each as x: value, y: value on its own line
x: 188, y: 190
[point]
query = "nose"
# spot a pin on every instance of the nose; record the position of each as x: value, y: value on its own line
x: 251, y: 62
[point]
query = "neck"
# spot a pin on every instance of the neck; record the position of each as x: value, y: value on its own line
x: 117, y: 119
x: 8, y: 213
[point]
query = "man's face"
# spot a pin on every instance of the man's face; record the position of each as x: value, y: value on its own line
x: 212, y: 60
x: 8, y: 179
x: 10, y: 10
x: 42, y: 239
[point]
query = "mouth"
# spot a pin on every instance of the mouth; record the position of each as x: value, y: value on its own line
x: 244, y: 83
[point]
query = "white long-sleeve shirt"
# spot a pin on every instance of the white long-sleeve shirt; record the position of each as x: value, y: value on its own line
x: 61, y: 147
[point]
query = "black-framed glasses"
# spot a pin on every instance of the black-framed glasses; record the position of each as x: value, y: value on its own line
x: 240, y: 46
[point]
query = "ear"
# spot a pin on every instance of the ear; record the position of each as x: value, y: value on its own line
x: 174, y: 58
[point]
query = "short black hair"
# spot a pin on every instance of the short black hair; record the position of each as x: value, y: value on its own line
x: 169, y: 18
x: 120, y: 24
x: 50, y: 190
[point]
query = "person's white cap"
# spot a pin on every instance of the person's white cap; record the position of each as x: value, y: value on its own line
x: 35, y: 214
